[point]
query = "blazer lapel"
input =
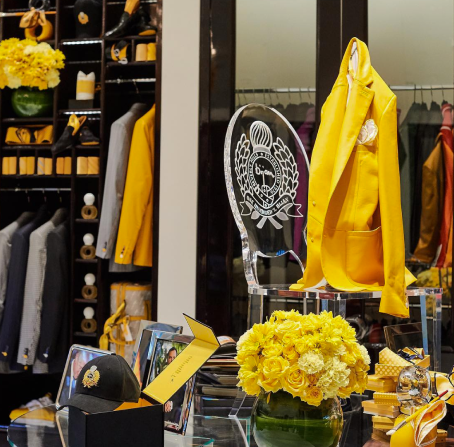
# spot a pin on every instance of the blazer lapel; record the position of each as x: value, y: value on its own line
x: 358, y: 105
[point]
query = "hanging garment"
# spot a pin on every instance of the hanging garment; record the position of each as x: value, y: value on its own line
x: 407, y: 143
x: 6, y: 236
x: 432, y: 204
x: 14, y: 300
x: 428, y: 129
x: 33, y: 293
x: 54, y: 341
x: 355, y: 234
x: 446, y: 223
x: 136, y: 222
x: 117, y: 165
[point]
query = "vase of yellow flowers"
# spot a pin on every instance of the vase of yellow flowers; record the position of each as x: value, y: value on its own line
x: 32, y: 70
x: 298, y: 366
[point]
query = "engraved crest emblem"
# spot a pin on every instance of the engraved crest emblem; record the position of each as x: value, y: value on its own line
x: 267, y: 174
x: 91, y: 377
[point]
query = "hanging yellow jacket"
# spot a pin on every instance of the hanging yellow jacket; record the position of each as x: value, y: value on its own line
x: 355, y: 234
x: 136, y: 222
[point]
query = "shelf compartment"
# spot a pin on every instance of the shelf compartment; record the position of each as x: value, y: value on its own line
x: 83, y: 41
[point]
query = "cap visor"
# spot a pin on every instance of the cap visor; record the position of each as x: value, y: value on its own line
x: 91, y: 404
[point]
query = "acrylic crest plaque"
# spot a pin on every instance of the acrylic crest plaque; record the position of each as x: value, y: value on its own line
x: 267, y: 178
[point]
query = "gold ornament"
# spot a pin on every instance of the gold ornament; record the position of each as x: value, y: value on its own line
x: 91, y: 377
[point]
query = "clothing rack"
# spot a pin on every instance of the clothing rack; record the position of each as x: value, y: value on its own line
x: 130, y: 81
x: 421, y: 87
x: 35, y: 189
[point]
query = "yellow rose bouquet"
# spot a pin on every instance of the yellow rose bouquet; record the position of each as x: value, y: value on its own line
x: 27, y: 63
x: 313, y: 357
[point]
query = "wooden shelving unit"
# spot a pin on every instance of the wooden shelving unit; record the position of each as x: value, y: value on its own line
x: 117, y: 93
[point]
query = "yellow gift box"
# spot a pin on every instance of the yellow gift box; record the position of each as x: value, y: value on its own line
x: 371, y: 407
x: 391, y: 364
x: 381, y: 384
x: 386, y: 399
x: 382, y: 423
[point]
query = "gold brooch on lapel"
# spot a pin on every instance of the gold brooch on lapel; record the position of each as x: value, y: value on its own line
x: 368, y: 133
x: 91, y: 377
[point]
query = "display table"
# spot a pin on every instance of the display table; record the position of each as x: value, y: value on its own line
x: 49, y: 428
x: 425, y: 302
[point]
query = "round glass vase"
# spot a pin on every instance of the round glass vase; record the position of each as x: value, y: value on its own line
x: 32, y: 102
x: 280, y: 420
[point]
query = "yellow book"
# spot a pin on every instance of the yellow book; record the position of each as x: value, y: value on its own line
x: 60, y: 165
x: 23, y: 166
x: 12, y: 165
x: 5, y: 165
x: 67, y: 168
x: 82, y: 165
x: 30, y: 165
x: 48, y: 166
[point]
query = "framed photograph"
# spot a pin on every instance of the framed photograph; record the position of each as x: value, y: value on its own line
x: 402, y: 336
x: 78, y: 357
x: 140, y: 357
x: 164, y: 349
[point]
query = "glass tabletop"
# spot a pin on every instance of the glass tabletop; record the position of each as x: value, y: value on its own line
x: 46, y: 427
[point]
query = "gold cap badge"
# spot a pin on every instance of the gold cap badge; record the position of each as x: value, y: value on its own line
x: 83, y: 18
x: 91, y: 377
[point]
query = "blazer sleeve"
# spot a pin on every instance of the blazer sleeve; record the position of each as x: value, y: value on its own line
x: 393, y: 301
x: 138, y: 189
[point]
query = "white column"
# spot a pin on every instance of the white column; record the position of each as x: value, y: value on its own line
x: 179, y: 154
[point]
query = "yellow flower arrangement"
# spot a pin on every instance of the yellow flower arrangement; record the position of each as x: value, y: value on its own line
x: 27, y: 63
x: 313, y: 357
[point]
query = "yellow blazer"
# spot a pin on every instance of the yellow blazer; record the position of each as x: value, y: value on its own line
x: 355, y: 234
x: 135, y: 234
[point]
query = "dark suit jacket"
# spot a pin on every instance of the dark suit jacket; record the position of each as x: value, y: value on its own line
x: 9, y: 332
x: 54, y: 344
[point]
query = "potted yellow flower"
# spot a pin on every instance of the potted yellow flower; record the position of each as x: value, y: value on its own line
x: 298, y: 366
x: 31, y: 69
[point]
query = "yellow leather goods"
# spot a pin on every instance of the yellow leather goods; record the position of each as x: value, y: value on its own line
x: 67, y: 166
x: 34, y: 19
x: 48, y: 166
x: 141, y: 52
x: 40, y: 166
x: 30, y: 165
x: 23, y: 166
x: 82, y: 165
x: 5, y: 165
x: 422, y: 431
x: 12, y: 166
x: 187, y: 363
x: 85, y: 89
x: 47, y: 32
x: 60, y: 165
x: 151, y: 56
x: 93, y: 165
x: 76, y: 122
x: 29, y: 135
x: 355, y: 232
x: 129, y: 304
x: 135, y: 234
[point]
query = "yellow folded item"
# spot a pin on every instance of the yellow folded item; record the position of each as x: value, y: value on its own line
x: 60, y: 165
x: 443, y: 383
x: 5, y: 166
x: 422, y: 431
x: 388, y: 357
x: 67, y: 167
x: 34, y: 134
x: 382, y: 370
x: 48, y: 166
x: 82, y: 165
x: 381, y: 384
x: 23, y: 166
x: 76, y: 122
x: 371, y: 407
x: 30, y: 165
x: 12, y: 165
x: 40, y: 166
x: 85, y: 89
x: 383, y: 423
x: 386, y: 399
x: 141, y: 52
x: 151, y: 56
x: 93, y: 165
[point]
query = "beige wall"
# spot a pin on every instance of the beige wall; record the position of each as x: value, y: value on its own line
x: 179, y: 152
